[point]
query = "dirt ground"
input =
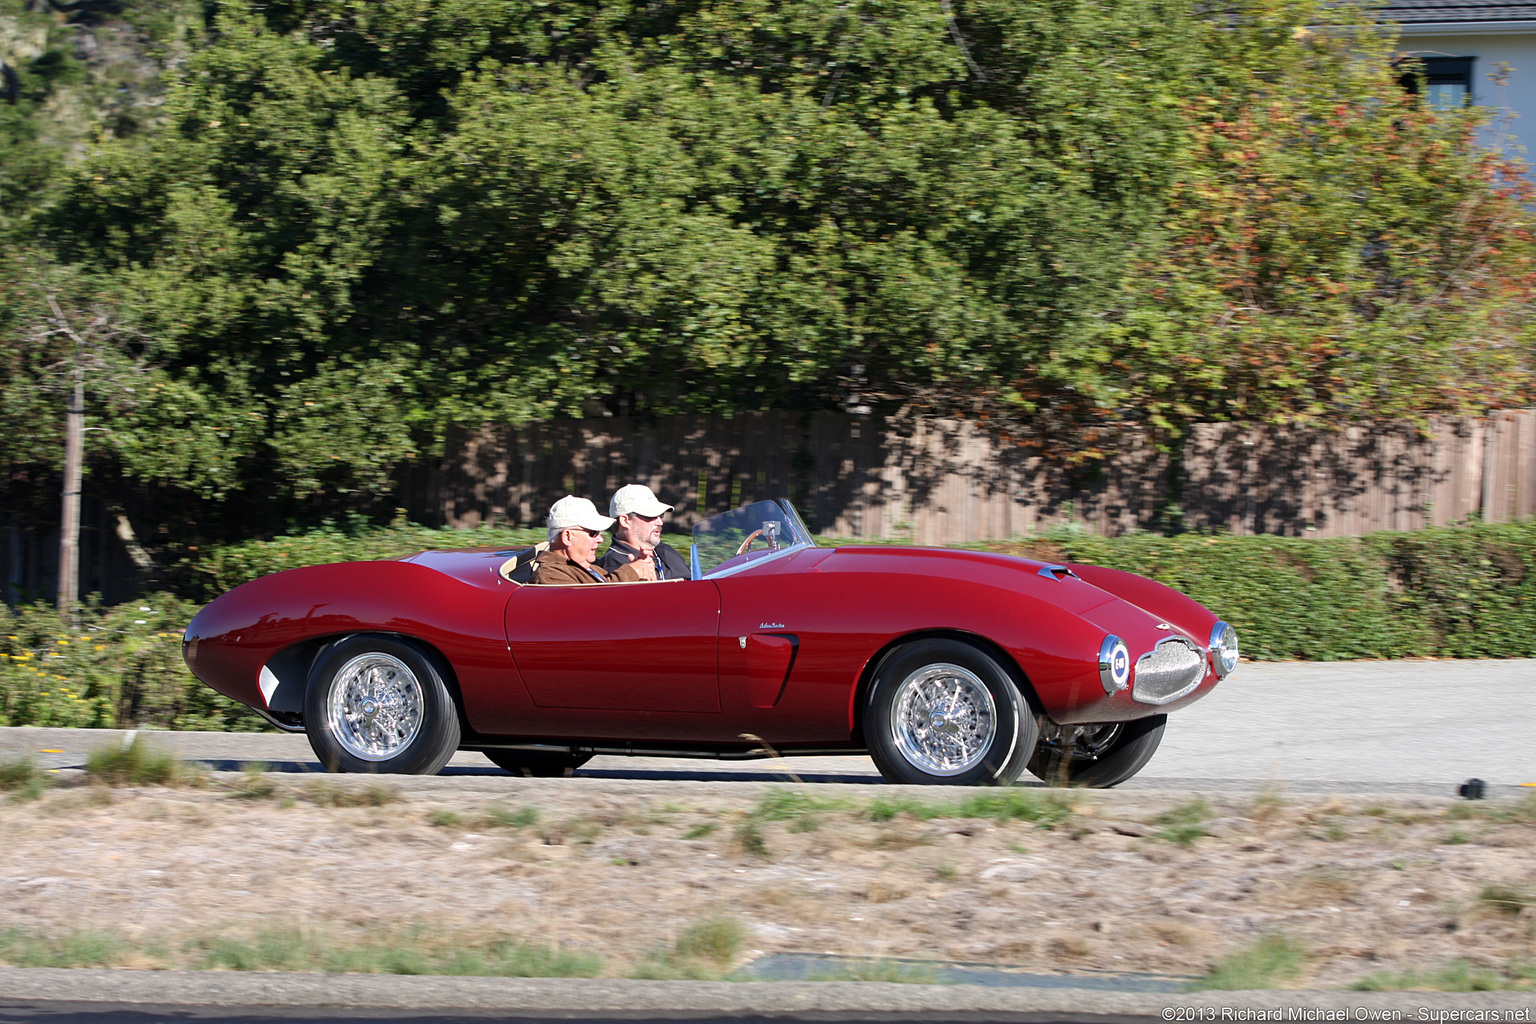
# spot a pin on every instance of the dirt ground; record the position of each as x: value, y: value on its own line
x: 1118, y: 881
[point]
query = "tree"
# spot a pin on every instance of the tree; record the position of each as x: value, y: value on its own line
x: 1333, y: 249
x: 361, y: 224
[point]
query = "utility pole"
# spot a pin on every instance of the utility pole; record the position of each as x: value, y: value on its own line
x: 69, y: 520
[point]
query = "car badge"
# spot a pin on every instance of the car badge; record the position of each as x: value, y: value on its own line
x: 1163, y: 625
x: 770, y: 625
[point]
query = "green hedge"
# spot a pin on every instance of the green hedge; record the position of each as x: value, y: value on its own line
x: 1459, y: 592
x: 203, y: 575
x: 1455, y: 592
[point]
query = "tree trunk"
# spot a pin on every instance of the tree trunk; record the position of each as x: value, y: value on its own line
x: 69, y: 521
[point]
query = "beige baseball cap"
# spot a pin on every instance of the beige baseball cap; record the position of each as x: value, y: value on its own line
x: 633, y: 498
x: 572, y: 511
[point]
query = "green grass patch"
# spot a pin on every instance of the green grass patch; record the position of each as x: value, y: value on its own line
x: 996, y: 804
x: 1506, y: 899
x: 325, y: 793
x: 1456, y: 976
x: 255, y: 783
x: 506, y: 817
x: 140, y: 763
x: 23, y: 779
x: 1185, y: 823
x: 412, y: 952
x: 1269, y: 962
x: 700, y: 953
x: 71, y: 949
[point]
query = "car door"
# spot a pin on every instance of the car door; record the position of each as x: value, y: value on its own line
x: 618, y: 646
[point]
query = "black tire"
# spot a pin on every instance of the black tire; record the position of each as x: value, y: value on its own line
x: 1101, y: 758
x: 537, y: 764
x: 378, y: 704
x: 986, y: 729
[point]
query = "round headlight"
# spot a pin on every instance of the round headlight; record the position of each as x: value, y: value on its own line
x: 1114, y: 664
x: 1223, y: 649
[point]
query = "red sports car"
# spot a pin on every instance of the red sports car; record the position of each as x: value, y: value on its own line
x: 945, y: 666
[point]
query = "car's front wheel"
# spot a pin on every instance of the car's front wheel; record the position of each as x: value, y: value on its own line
x: 377, y: 704
x: 1096, y: 756
x: 945, y: 712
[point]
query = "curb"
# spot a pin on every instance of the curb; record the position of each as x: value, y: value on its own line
x: 628, y: 997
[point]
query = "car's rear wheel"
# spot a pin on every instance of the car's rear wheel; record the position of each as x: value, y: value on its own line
x: 377, y: 704
x: 945, y: 712
x: 1096, y: 756
x: 536, y: 764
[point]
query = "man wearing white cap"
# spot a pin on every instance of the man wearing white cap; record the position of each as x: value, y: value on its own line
x: 637, y: 538
x: 575, y: 531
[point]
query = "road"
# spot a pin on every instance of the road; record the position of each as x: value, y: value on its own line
x: 1384, y: 726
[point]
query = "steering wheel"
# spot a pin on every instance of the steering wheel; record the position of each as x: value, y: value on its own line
x: 754, y: 535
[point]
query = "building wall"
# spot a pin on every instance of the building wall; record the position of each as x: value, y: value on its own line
x: 1515, y: 96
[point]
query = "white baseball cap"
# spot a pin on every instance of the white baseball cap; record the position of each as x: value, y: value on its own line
x: 633, y: 498
x: 572, y: 511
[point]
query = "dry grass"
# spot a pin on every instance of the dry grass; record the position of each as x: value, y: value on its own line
x: 245, y: 868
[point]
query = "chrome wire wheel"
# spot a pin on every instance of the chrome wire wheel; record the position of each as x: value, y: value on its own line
x: 376, y: 706
x: 944, y: 720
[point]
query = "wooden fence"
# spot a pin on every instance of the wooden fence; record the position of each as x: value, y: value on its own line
x: 929, y: 481
x: 952, y: 481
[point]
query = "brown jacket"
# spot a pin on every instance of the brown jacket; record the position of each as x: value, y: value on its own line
x: 555, y: 567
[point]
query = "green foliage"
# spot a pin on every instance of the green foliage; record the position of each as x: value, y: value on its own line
x: 19, y: 948
x: 413, y: 952
x: 121, y: 667
x: 1461, y: 591
x: 138, y: 763
x: 1455, y: 976
x: 22, y: 778
x: 354, y: 227
x: 1332, y: 247
x: 1269, y: 962
x: 1185, y: 823
x: 700, y: 953
x: 1000, y: 805
x: 206, y: 573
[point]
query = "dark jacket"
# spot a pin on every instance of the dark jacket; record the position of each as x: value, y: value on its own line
x: 670, y: 564
x: 555, y: 567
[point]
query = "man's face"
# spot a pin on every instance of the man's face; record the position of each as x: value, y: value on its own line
x: 640, y: 531
x: 581, y: 545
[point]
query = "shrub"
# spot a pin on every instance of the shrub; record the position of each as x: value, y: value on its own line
x: 115, y: 667
x: 1459, y: 591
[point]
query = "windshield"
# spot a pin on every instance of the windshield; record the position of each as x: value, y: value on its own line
x: 743, y: 536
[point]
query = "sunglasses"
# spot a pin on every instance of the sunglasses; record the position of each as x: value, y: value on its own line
x: 643, y: 519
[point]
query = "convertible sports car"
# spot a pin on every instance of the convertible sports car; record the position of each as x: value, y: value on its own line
x: 945, y: 666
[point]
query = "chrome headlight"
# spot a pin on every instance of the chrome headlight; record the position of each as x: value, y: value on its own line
x: 1223, y: 649
x: 1114, y: 664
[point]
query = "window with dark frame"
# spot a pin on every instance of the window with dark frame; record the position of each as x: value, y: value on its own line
x: 1444, y: 82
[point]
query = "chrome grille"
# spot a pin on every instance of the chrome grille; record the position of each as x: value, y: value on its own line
x: 1174, y: 667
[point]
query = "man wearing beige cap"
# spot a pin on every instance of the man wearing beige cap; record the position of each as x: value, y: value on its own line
x: 575, y: 531
x: 637, y: 538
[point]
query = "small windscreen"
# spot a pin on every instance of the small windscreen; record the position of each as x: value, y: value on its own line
x: 747, y: 534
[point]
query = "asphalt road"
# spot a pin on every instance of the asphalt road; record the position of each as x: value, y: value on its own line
x: 1384, y: 726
